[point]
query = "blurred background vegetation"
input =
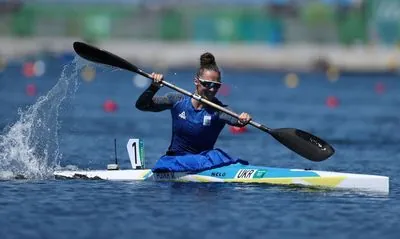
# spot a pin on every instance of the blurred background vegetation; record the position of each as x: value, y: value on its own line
x: 273, y: 22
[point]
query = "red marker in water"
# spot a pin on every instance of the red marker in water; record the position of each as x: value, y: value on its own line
x: 237, y: 130
x: 28, y: 69
x: 380, y: 88
x: 225, y: 90
x: 31, y: 90
x: 332, y: 102
x: 110, y: 106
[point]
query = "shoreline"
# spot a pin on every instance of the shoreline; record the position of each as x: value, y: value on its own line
x: 183, y: 54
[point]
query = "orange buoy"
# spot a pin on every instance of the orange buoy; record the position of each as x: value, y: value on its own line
x: 88, y: 73
x: 333, y: 74
x: 292, y: 80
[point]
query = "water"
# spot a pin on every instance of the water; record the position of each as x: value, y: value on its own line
x: 66, y: 127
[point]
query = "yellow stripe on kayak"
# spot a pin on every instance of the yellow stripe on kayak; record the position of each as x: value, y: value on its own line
x: 316, y: 181
x: 327, y: 181
x: 202, y: 179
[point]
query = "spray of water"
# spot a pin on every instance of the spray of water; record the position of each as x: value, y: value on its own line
x: 30, y: 147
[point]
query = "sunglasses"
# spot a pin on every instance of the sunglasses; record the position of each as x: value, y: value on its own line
x: 210, y: 84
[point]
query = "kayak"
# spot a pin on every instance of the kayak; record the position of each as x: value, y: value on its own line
x: 238, y: 173
x: 235, y: 173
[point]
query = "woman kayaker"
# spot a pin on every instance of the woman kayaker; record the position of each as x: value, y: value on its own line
x: 195, y: 126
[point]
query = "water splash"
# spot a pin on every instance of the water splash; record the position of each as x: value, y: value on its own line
x: 30, y: 147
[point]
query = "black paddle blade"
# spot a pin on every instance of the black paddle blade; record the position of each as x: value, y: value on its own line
x: 97, y: 55
x: 305, y: 144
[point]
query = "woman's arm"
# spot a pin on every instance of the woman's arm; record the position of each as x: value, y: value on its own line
x: 243, y: 120
x: 147, y: 101
x: 230, y: 120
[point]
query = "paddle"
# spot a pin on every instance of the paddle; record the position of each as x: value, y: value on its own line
x: 305, y: 144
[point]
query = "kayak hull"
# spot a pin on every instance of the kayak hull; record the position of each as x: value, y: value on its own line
x: 239, y: 173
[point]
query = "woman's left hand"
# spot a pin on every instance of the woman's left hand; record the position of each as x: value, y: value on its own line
x: 244, y: 118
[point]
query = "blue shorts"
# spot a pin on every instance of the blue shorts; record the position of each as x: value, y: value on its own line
x: 209, y: 159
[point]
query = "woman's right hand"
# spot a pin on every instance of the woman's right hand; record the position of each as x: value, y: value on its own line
x: 157, y: 79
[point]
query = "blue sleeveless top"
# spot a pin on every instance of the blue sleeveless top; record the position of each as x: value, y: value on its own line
x: 193, y: 131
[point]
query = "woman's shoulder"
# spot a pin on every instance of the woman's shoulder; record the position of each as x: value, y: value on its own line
x: 175, y: 96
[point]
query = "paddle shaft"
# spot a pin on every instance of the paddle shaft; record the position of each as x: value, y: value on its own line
x: 204, y: 101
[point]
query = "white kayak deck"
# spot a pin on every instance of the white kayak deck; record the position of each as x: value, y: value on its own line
x: 245, y: 174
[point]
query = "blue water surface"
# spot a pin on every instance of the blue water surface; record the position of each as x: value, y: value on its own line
x: 64, y: 126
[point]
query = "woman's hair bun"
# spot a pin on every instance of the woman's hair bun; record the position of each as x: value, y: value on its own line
x: 207, y: 59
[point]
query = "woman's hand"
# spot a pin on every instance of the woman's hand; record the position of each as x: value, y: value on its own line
x: 157, y: 79
x: 244, y: 118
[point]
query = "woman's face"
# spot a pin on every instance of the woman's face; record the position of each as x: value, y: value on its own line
x: 208, y: 84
